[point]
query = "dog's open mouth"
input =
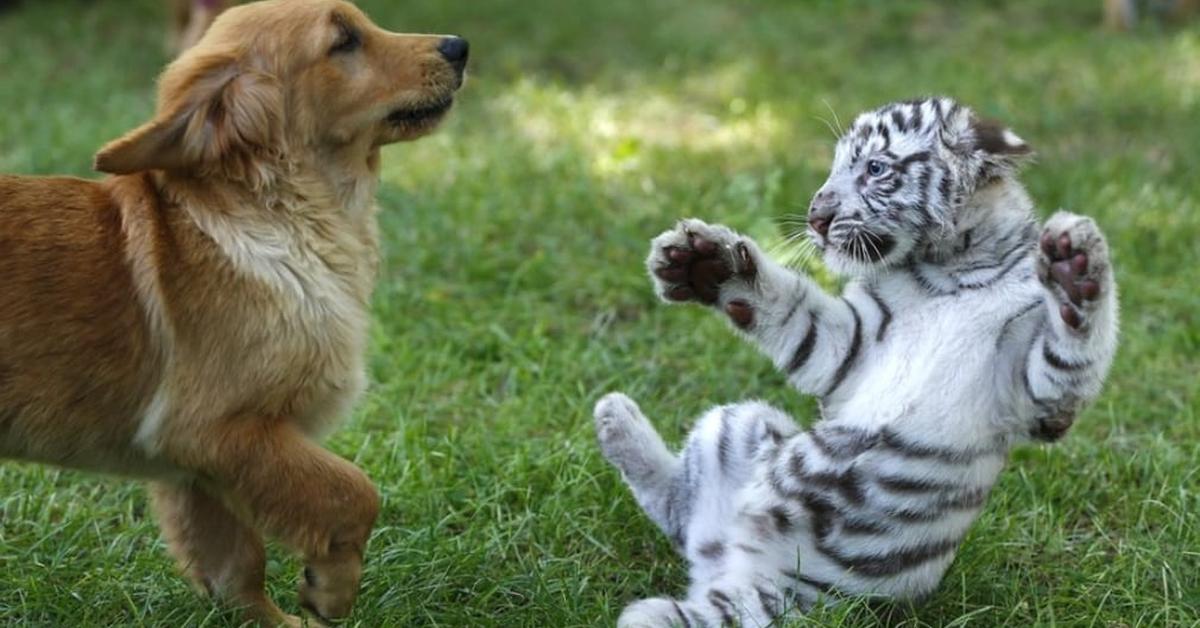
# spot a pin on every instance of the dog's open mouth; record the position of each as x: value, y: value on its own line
x: 416, y: 115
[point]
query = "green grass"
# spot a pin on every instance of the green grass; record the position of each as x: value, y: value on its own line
x: 513, y: 297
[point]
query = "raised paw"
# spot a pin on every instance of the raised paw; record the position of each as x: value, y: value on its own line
x: 1073, y: 264
x: 627, y: 439
x: 692, y: 261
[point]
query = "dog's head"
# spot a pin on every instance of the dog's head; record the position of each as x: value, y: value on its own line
x: 291, y: 80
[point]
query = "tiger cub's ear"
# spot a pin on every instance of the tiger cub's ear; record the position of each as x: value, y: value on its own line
x: 1000, y: 150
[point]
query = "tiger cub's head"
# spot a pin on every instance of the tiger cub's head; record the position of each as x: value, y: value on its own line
x: 900, y: 176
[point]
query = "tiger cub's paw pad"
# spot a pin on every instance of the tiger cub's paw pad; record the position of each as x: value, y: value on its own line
x: 693, y: 260
x: 1073, y: 263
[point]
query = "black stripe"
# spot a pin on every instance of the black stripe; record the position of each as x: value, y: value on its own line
x: 855, y: 525
x: 679, y: 507
x: 769, y: 601
x: 1012, y: 319
x: 820, y: 585
x: 871, y: 206
x: 909, y: 449
x: 894, y: 183
x: 796, y: 464
x: 777, y: 484
x: 917, y: 157
x: 897, y: 484
x: 968, y: 236
x: 819, y: 441
x: 885, y: 314
x: 965, y: 499
x: 926, y: 285
x: 925, y: 184
x: 839, y: 442
x: 723, y: 441
x: 1061, y: 364
x: 944, y: 187
x: 718, y: 599
x: 954, y: 107
x: 763, y: 526
x: 1017, y: 249
x: 997, y: 277
x: 792, y: 312
x: 805, y: 348
x: 915, y: 515
x: 892, y: 563
x: 749, y: 549
x: 851, y: 355
x: 712, y: 550
x: 682, y: 616
x: 846, y: 483
x: 821, y: 510
x: 783, y: 522
x: 1040, y: 333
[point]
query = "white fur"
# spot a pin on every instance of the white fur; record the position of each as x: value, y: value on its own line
x: 940, y: 386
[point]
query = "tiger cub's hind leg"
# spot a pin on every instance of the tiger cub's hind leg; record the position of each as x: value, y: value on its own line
x: 631, y: 444
x: 690, y: 496
x: 723, y: 453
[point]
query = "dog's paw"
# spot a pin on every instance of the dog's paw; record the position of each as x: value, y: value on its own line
x: 1073, y: 264
x: 695, y: 260
x: 329, y: 586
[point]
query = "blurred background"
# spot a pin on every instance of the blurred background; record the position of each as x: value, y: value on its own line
x: 514, y: 295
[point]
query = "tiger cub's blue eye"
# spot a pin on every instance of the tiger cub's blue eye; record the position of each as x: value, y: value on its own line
x: 875, y: 168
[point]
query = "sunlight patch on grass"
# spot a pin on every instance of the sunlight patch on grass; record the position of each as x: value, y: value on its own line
x: 1183, y: 68
x: 615, y: 130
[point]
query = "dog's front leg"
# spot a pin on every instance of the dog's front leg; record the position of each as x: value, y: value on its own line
x: 316, y: 503
x: 221, y: 554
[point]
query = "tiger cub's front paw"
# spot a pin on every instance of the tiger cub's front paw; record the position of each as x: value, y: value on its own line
x: 1074, y: 266
x: 695, y: 260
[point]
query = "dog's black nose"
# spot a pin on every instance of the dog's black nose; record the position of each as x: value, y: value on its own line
x: 455, y: 50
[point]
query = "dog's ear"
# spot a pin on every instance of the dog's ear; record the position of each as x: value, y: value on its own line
x: 213, y: 115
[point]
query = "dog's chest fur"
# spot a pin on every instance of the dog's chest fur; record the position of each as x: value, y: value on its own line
x: 279, y: 323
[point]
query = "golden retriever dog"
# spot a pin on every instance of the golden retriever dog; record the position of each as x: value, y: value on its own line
x: 199, y: 319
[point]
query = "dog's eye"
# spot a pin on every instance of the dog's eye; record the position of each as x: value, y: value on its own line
x: 348, y: 40
x: 876, y: 167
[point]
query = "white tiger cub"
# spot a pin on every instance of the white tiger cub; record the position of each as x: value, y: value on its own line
x: 960, y: 334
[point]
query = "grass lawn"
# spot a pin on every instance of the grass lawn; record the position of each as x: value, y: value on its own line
x: 513, y: 296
